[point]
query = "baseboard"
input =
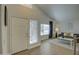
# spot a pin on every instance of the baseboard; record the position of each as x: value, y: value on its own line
x: 19, y: 52
x: 36, y: 45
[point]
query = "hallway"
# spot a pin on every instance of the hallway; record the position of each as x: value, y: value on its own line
x: 47, y: 48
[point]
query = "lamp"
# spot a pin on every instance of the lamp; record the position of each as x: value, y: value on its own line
x: 56, y: 30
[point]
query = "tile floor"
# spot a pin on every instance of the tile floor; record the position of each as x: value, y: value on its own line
x: 47, y: 48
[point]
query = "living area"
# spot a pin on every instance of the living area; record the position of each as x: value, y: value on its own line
x: 65, y: 40
x: 65, y: 32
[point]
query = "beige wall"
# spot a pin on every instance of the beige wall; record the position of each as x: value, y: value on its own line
x: 22, y: 12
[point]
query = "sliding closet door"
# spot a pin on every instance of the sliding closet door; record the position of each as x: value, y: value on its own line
x: 18, y: 34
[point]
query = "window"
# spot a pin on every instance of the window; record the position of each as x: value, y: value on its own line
x: 44, y: 29
x: 33, y: 31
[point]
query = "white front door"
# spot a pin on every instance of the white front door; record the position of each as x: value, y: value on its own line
x: 18, y: 34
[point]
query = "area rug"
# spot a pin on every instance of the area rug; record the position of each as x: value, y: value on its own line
x: 68, y: 46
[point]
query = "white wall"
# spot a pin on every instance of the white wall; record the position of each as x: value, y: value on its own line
x: 66, y: 14
x: 66, y: 26
x: 69, y: 26
x: 76, y: 26
x: 43, y: 19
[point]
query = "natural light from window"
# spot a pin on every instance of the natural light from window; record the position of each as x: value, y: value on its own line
x: 44, y: 29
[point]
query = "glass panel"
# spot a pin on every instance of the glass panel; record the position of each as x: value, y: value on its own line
x: 44, y: 29
x: 33, y: 31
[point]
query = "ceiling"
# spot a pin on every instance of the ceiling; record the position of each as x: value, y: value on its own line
x: 61, y: 12
x: 27, y: 5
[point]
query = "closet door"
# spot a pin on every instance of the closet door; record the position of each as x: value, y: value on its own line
x: 18, y: 34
